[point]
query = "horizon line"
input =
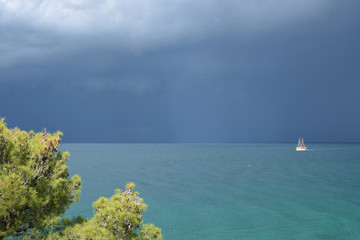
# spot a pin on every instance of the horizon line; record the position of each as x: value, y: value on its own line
x: 209, y: 142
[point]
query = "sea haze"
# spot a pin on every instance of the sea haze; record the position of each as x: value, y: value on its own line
x: 229, y: 191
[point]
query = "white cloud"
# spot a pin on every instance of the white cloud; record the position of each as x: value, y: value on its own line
x: 136, y: 24
x: 143, y: 18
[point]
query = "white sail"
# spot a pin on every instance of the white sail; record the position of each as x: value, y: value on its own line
x: 301, y: 146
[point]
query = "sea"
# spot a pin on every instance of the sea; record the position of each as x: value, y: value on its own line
x: 229, y: 191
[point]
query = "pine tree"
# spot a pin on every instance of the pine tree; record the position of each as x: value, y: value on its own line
x: 35, y: 189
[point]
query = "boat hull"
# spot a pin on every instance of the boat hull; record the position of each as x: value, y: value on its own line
x: 301, y: 148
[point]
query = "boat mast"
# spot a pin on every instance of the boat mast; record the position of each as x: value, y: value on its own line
x: 302, y: 143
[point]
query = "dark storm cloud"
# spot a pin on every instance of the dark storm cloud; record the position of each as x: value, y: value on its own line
x: 204, y: 71
x: 33, y: 28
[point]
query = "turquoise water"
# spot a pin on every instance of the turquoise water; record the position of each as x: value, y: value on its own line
x: 229, y: 191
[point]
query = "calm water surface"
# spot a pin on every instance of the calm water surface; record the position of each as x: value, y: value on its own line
x: 229, y: 191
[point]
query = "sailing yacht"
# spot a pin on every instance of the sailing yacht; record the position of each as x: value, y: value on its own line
x: 301, y: 146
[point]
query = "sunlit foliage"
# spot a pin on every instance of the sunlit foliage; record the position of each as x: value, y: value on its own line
x: 34, y: 181
x: 119, y: 217
x: 35, y: 189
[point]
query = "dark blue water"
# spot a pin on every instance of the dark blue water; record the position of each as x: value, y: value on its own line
x: 229, y: 191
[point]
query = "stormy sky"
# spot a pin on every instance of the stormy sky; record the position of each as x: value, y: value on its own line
x: 182, y: 71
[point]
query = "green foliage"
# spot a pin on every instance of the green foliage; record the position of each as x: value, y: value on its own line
x: 150, y: 232
x: 34, y: 181
x: 35, y: 190
x: 119, y: 217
